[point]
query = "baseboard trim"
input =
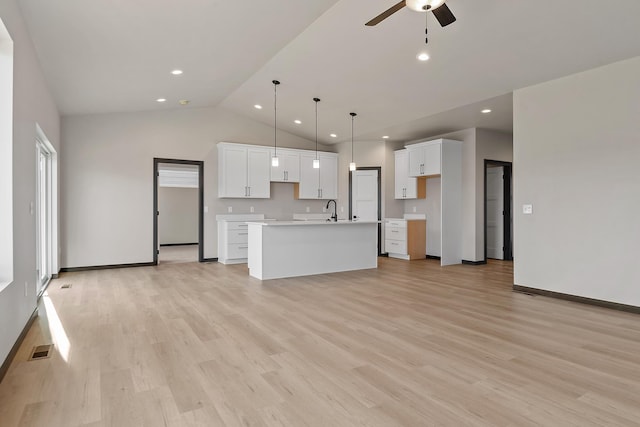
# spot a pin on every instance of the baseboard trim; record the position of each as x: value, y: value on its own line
x: 106, y: 267
x: 385, y: 255
x: 482, y: 262
x: 54, y: 276
x: 178, y: 244
x: 579, y: 299
x: 14, y: 350
x: 433, y: 257
x: 210, y: 259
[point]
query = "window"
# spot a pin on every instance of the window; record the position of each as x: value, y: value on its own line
x: 6, y: 157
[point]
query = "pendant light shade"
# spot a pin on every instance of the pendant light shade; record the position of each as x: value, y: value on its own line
x: 316, y: 161
x: 352, y: 165
x: 274, y: 160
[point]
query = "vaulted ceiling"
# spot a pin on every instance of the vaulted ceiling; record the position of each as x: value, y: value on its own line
x: 116, y: 56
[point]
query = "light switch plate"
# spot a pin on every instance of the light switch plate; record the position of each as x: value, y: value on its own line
x: 230, y: 209
x: 527, y: 209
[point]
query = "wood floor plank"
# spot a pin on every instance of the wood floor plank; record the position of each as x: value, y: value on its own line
x: 406, y: 344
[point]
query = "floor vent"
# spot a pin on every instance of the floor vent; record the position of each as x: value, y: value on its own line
x: 65, y: 286
x: 41, y: 352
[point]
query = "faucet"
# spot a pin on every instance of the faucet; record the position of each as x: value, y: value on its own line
x: 334, y: 217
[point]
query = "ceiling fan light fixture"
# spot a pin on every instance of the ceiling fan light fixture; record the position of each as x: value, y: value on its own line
x: 424, y: 5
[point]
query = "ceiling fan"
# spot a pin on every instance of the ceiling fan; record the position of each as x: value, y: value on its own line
x: 440, y: 10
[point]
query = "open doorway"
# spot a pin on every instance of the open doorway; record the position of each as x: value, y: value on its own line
x: 365, y: 197
x: 498, y: 210
x: 178, y: 219
x: 45, y: 208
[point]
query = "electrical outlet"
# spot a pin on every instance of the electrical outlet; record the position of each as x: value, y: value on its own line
x: 206, y: 209
x: 414, y: 209
x: 26, y: 289
x: 230, y: 209
x: 341, y: 209
x: 324, y: 209
x: 308, y: 209
x: 527, y: 209
x: 251, y: 209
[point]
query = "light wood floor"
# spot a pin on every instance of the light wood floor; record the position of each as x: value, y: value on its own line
x: 408, y: 344
x: 176, y: 254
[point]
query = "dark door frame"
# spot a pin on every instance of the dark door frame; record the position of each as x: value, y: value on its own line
x: 379, y: 169
x: 200, y: 164
x: 507, y: 218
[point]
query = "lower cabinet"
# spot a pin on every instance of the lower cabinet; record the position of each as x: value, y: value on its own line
x: 406, y: 238
x: 233, y: 238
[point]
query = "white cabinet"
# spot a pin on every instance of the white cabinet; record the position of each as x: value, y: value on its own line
x: 405, y: 239
x: 424, y: 158
x: 406, y: 187
x: 440, y: 163
x: 319, y: 183
x: 288, y: 169
x: 244, y: 171
x: 233, y: 237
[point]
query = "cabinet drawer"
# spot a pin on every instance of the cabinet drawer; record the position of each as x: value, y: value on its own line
x: 395, y: 246
x: 396, y: 233
x: 237, y: 225
x: 396, y: 223
x: 237, y: 250
x: 238, y: 236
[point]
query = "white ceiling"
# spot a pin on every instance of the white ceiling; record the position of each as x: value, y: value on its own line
x: 108, y: 56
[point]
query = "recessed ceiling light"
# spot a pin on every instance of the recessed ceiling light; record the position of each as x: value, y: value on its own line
x: 385, y: 137
x: 176, y: 72
x: 258, y: 107
x: 423, y: 56
x: 161, y: 100
x: 297, y: 122
x: 183, y: 102
x: 486, y: 111
x: 333, y: 135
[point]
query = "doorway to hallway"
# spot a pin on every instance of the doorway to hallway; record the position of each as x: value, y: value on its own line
x: 498, y: 210
x: 178, y: 215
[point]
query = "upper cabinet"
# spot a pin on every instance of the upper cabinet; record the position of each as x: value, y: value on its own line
x: 407, y: 187
x: 321, y: 183
x: 424, y: 158
x: 244, y: 171
x: 288, y: 169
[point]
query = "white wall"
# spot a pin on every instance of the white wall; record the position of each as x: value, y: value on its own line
x: 32, y: 103
x: 576, y: 159
x: 178, y: 219
x: 107, y: 178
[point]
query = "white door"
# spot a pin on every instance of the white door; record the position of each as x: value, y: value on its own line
x: 495, y: 212
x: 364, y: 195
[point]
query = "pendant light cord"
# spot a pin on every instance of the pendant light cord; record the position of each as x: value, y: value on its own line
x: 316, y: 101
x: 275, y: 117
x: 353, y: 116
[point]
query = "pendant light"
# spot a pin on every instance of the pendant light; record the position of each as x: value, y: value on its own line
x: 352, y: 165
x: 274, y: 159
x: 316, y: 161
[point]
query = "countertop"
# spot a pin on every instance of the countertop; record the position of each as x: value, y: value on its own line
x: 309, y: 222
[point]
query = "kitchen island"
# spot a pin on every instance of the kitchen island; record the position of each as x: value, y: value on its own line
x: 281, y: 249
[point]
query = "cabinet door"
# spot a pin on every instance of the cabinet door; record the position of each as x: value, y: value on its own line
x: 328, y: 176
x: 288, y: 169
x: 309, y: 177
x: 416, y: 160
x: 431, y: 159
x: 232, y: 171
x: 292, y: 165
x: 258, y: 173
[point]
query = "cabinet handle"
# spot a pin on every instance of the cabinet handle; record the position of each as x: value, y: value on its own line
x: 249, y: 191
x: 394, y: 231
x: 242, y: 234
x: 243, y: 247
x: 243, y: 225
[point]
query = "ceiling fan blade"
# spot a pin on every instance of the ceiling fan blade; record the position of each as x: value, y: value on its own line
x: 444, y: 15
x: 387, y: 13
